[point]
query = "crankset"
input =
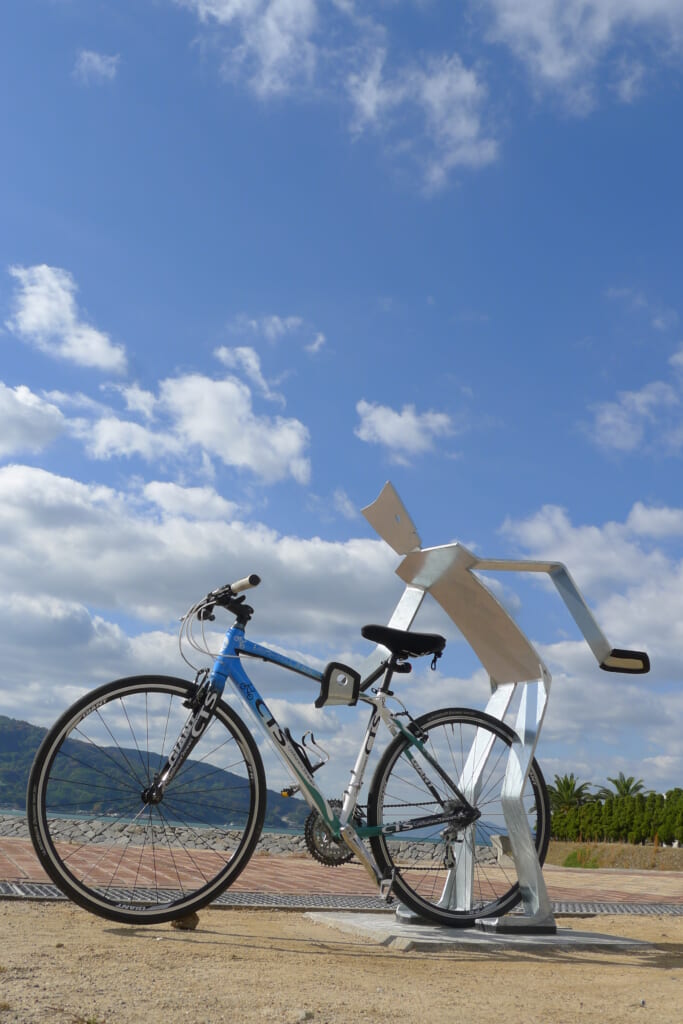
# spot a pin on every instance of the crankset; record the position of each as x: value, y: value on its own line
x: 322, y: 845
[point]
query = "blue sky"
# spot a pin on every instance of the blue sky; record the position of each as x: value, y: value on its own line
x: 259, y: 256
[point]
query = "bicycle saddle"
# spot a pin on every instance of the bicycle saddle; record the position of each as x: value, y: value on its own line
x: 403, y: 643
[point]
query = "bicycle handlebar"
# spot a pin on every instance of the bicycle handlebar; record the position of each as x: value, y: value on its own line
x: 245, y: 584
x: 227, y: 597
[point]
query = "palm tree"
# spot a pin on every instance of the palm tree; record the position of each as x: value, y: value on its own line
x: 568, y: 792
x: 623, y: 786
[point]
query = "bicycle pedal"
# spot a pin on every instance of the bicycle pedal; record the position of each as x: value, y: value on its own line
x: 290, y: 791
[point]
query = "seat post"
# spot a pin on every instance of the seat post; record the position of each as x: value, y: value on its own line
x: 388, y: 673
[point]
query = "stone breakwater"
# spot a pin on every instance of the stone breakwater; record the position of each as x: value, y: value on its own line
x: 276, y: 844
x: 103, y: 830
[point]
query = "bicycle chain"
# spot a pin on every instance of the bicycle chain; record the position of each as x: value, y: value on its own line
x: 415, y: 803
x: 410, y: 866
x: 332, y: 852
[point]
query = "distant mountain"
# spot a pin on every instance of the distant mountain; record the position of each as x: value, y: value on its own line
x: 18, y: 744
x: 220, y: 789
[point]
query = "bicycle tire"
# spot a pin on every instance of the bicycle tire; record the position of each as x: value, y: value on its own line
x: 455, y: 878
x: 108, y: 850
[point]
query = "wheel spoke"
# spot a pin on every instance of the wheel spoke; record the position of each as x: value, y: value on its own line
x: 118, y: 848
x: 452, y: 874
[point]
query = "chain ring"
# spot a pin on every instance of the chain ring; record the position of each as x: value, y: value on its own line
x: 321, y: 844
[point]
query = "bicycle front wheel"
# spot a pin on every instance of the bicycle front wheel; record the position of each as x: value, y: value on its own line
x: 447, y: 874
x: 115, y: 854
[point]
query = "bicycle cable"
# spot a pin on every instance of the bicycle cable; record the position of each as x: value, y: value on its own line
x: 187, y: 636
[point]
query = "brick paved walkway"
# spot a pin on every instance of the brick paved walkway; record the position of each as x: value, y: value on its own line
x: 295, y: 875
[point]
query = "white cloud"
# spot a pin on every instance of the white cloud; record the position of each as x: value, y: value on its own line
x: 247, y: 360
x: 215, y: 416
x: 278, y: 46
x: 655, y: 521
x: 194, y: 414
x: 599, y: 724
x: 100, y: 547
x: 218, y: 416
x: 138, y: 400
x: 448, y: 97
x: 433, y: 111
x: 274, y: 327
x: 625, y: 424
x: 634, y: 300
x: 27, y: 422
x: 79, y: 400
x: 271, y: 42
x: 270, y: 326
x: 46, y: 316
x: 622, y: 425
x: 94, y: 68
x: 58, y: 633
x: 405, y: 433
x: 317, y: 343
x: 68, y: 548
x: 604, y: 557
x: 629, y: 84
x: 189, y: 502
x: 649, y: 615
x: 561, y: 42
x: 635, y: 588
x: 110, y: 436
x: 651, y: 417
x: 665, y: 320
x: 343, y: 504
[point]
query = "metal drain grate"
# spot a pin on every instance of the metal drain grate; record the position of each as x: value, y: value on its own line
x: 326, y: 901
x: 30, y: 891
x: 301, y: 901
x: 652, y: 909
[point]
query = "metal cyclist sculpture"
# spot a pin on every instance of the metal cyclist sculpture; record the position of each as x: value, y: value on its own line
x: 511, y: 661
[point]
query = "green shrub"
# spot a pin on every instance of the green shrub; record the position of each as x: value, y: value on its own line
x: 580, y: 859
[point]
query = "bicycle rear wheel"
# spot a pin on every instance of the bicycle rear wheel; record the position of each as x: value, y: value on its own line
x: 441, y: 873
x: 108, y: 850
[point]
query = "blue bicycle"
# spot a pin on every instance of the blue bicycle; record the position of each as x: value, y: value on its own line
x: 147, y: 797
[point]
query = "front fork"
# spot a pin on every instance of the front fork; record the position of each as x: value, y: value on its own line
x: 202, y: 704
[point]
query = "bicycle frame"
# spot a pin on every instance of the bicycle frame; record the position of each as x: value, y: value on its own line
x: 228, y: 668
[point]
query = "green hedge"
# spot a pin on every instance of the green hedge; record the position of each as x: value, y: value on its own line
x: 623, y: 819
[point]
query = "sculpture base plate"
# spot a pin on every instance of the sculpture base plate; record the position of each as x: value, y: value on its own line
x: 518, y: 925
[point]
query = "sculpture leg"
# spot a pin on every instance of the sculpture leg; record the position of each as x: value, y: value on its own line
x: 538, y: 914
x: 459, y: 886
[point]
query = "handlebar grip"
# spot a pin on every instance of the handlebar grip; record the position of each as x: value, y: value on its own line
x: 245, y: 584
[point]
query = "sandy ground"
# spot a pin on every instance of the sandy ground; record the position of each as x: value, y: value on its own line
x: 59, y: 964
